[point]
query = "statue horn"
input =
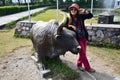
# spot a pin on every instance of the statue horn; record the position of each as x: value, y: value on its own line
x: 59, y: 30
x: 62, y: 24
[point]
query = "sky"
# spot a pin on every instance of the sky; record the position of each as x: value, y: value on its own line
x: 20, y: 0
x: 28, y: 0
x: 65, y: 0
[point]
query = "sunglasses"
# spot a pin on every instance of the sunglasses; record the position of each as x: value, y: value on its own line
x: 73, y: 9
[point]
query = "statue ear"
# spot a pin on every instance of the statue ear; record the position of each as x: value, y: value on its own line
x: 60, y: 28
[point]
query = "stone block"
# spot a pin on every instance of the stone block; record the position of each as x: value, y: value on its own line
x: 100, y: 34
x: 95, y: 28
x: 117, y: 30
x: 101, y: 28
x: 107, y: 40
x: 108, y: 34
x: 110, y: 29
x: 91, y: 32
x: 23, y: 27
x: 90, y: 38
x: 94, y: 38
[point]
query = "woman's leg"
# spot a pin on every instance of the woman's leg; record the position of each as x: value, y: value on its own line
x: 82, y: 59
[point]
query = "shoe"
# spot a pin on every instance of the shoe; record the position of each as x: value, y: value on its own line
x: 81, y: 68
x: 91, y: 70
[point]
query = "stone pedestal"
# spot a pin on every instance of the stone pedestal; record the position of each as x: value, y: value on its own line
x: 105, y: 18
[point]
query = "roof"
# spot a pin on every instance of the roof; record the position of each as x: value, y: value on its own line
x: 106, y: 13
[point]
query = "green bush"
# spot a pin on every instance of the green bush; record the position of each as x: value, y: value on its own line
x: 6, y: 10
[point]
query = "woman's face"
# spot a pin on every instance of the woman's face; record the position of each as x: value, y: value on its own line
x: 73, y: 11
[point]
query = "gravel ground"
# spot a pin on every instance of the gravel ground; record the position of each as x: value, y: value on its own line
x: 18, y: 65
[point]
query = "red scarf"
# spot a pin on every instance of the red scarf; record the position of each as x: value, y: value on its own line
x: 76, y: 22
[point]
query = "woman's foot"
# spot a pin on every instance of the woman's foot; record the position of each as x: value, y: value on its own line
x: 91, y: 70
x: 81, y: 68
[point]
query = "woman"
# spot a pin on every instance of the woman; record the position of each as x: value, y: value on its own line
x: 75, y: 21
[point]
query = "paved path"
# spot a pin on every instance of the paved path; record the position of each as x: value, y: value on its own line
x: 9, y: 18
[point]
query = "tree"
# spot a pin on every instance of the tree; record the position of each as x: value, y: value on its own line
x: 32, y: 1
x: 88, y: 3
x: 2, y: 2
x: 25, y: 1
x: 60, y: 1
x: 6, y: 2
x: 10, y: 2
x: 69, y: 1
x: 44, y: 1
x: 18, y: 2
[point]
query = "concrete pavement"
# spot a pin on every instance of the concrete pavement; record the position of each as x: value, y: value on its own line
x: 13, y: 17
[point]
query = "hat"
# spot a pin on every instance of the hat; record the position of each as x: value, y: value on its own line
x: 74, y: 5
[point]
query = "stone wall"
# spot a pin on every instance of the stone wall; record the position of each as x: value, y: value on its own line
x: 104, y: 33
x: 100, y: 33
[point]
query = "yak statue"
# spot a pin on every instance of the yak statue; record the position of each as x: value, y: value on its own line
x: 52, y: 40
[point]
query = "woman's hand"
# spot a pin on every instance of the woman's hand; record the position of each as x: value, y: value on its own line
x: 82, y: 10
x: 72, y: 26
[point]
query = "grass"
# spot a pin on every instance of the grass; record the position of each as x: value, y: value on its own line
x: 94, y: 21
x: 8, y: 42
x: 107, y: 54
x: 48, y: 15
x: 118, y: 9
x: 59, y: 71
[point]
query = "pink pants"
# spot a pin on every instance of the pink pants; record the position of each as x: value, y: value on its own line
x: 82, y: 59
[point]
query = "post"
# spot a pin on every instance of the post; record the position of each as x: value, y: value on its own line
x: 91, y: 11
x: 57, y: 11
x: 29, y: 10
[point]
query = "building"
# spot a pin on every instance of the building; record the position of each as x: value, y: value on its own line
x: 117, y: 4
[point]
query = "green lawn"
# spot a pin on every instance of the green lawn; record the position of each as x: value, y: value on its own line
x: 48, y: 15
x: 51, y: 14
x: 8, y: 42
x: 107, y: 54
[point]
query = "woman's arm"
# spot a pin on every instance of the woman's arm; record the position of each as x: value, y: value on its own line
x: 72, y: 26
x: 85, y: 13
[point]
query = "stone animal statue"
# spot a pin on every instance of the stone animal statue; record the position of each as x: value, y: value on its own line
x: 51, y: 40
